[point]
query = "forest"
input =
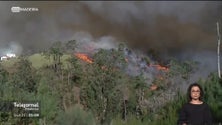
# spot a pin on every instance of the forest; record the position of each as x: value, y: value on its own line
x: 98, y: 88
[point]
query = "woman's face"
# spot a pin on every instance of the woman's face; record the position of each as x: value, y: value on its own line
x: 195, y: 93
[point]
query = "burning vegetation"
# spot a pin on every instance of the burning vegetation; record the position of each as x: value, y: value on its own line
x: 115, y: 82
x: 159, y: 67
x: 84, y: 57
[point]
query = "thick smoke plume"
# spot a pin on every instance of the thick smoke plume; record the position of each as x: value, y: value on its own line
x: 88, y: 44
x: 167, y: 29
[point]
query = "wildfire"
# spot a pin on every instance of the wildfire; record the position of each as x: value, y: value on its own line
x: 87, y: 59
x: 126, y: 60
x: 84, y: 57
x: 153, y: 87
x: 160, y: 77
x: 159, y: 67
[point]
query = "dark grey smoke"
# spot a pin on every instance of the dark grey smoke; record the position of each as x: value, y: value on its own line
x: 169, y: 28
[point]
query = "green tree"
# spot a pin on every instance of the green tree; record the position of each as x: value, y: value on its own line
x: 4, y: 90
x: 75, y: 116
x: 71, y: 82
x: 101, y: 85
x: 3, y: 80
x: 212, y: 95
x: 24, y: 77
x: 3, y: 74
x: 183, y: 69
x: 55, y: 52
x: 49, y: 101
x: 20, y: 84
x: 139, y: 87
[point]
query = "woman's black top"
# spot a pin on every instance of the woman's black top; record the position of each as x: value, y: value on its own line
x: 195, y: 114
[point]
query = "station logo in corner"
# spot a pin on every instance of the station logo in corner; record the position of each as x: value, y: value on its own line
x: 25, y: 9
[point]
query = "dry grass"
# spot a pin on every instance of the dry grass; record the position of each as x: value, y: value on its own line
x: 37, y: 61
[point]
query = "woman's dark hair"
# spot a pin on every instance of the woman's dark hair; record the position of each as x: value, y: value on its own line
x: 189, y: 91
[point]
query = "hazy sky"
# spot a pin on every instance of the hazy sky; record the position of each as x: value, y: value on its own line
x: 171, y: 28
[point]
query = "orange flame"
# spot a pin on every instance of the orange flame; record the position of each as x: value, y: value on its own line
x: 153, y: 87
x: 160, y: 77
x: 159, y: 67
x: 126, y: 60
x: 84, y: 57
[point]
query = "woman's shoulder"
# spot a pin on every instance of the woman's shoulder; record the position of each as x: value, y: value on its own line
x: 193, y: 104
x: 188, y: 104
x: 205, y: 105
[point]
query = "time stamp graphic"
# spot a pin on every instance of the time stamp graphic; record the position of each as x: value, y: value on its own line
x: 30, y: 115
